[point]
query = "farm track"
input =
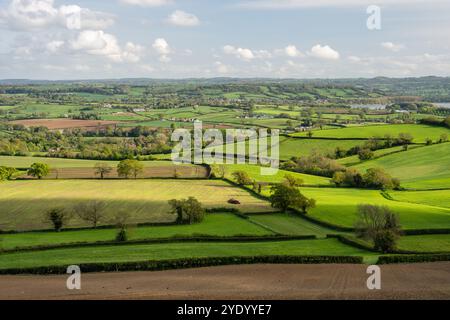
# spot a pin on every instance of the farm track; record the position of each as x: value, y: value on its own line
x: 343, y: 281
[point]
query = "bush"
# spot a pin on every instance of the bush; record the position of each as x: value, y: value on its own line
x: 39, y: 170
x: 58, y: 217
x: 284, y: 196
x: 122, y: 235
x: 188, y: 210
x: 242, y: 178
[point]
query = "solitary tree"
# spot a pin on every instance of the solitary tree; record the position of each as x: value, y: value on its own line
x: 379, y: 225
x: 127, y: 168
x: 121, y: 220
x: 188, y: 210
x: 6, y: 173
x: 58, y: 217
x: 39, y: 170
x: 91, y: 212
x: 242, y: 178
x: 102, y: 169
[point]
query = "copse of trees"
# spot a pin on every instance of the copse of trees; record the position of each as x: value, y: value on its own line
x: 284, y: 197
x: 379, y: 225
x: 39, y: 170
x: 188, y: 211
x: 127, y: 168
x: 374, y: 178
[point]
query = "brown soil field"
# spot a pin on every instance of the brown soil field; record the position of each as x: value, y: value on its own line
x: 54, y: 124
x: 336, y: 281
x: 149, y: 172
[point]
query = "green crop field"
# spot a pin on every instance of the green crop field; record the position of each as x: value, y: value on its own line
x: 217, y: 224
x: 22, y: 207
x: 290, y: 224
x: 175, y: 251
x: 438, y: 198
x: 255, y: 173
x: 420, y: 168
x: 418, y: 131
x: 426, y: 243
x: 339, y: 206
x: 354, y: 160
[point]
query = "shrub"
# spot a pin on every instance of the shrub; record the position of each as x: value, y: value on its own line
x: 58, y: 217
x: 242, y: 178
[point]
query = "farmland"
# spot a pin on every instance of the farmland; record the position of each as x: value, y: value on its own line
x: 22, y: 208
x: 325, y: 129
x: 420, y: 168
x: 176, y: 250
x: 419, y: 132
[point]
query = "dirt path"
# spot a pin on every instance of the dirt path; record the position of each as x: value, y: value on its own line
x: 406, y: 281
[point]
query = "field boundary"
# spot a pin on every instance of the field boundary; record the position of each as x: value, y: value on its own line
x: 155, y: 265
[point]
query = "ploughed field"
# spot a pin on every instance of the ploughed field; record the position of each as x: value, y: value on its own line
x: 24, y: 203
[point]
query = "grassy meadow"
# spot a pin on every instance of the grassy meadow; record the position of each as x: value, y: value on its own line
x: 24, y: 203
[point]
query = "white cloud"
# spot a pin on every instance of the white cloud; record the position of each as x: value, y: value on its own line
x: 97, y: 42
x: 292, y: 51
x: 324, y: 52
x: 161, y: 46
x: 147, y: 3
x: 54, y: 46
x: 392, y: 46
x: 241, y: 53
x: 183, y: 19
x: 39, y: 14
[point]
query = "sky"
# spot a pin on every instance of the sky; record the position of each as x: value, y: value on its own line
x: 82, y: 39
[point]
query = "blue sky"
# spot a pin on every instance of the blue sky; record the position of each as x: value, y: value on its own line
x: 81, y: 39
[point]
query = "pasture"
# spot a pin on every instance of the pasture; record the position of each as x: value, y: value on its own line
x: 339, y: 206
x: 217, y: 224
x: 426, y: 243
x: 100, y: 254
x: 420, y: 132
x: 420, y: 168
x: 24, y: 203
x: 438, y: 198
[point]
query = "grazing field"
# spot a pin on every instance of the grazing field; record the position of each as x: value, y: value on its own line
x: 290, y: 224
x: 292, y: 147
x: 339, y: 206
x: 255, y: 173
x: 53, y: 124
x: 420, y: 168
x: 217, y: 224
x: 426, y: 243
x: 418, y: 131
x: 24, y: 203
x: 100, y: 254
x: 438, y: 198
x: 354, y: 160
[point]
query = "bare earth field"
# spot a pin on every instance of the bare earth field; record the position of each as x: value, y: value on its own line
x: 54, y: 124
x: 340, y: 281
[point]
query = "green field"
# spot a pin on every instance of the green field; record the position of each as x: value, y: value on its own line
x: 26, y: 162
x: 255, y: 173
x: 426, y: 243
x: 175, y: 251
x: 217, y: 224
x: 420, y: 168
x: 418, y: 131
x: 438, y: 198
x: 354, y: 160
x: 339, y: 206
x: 290, y: 224
x: 24, y: 203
